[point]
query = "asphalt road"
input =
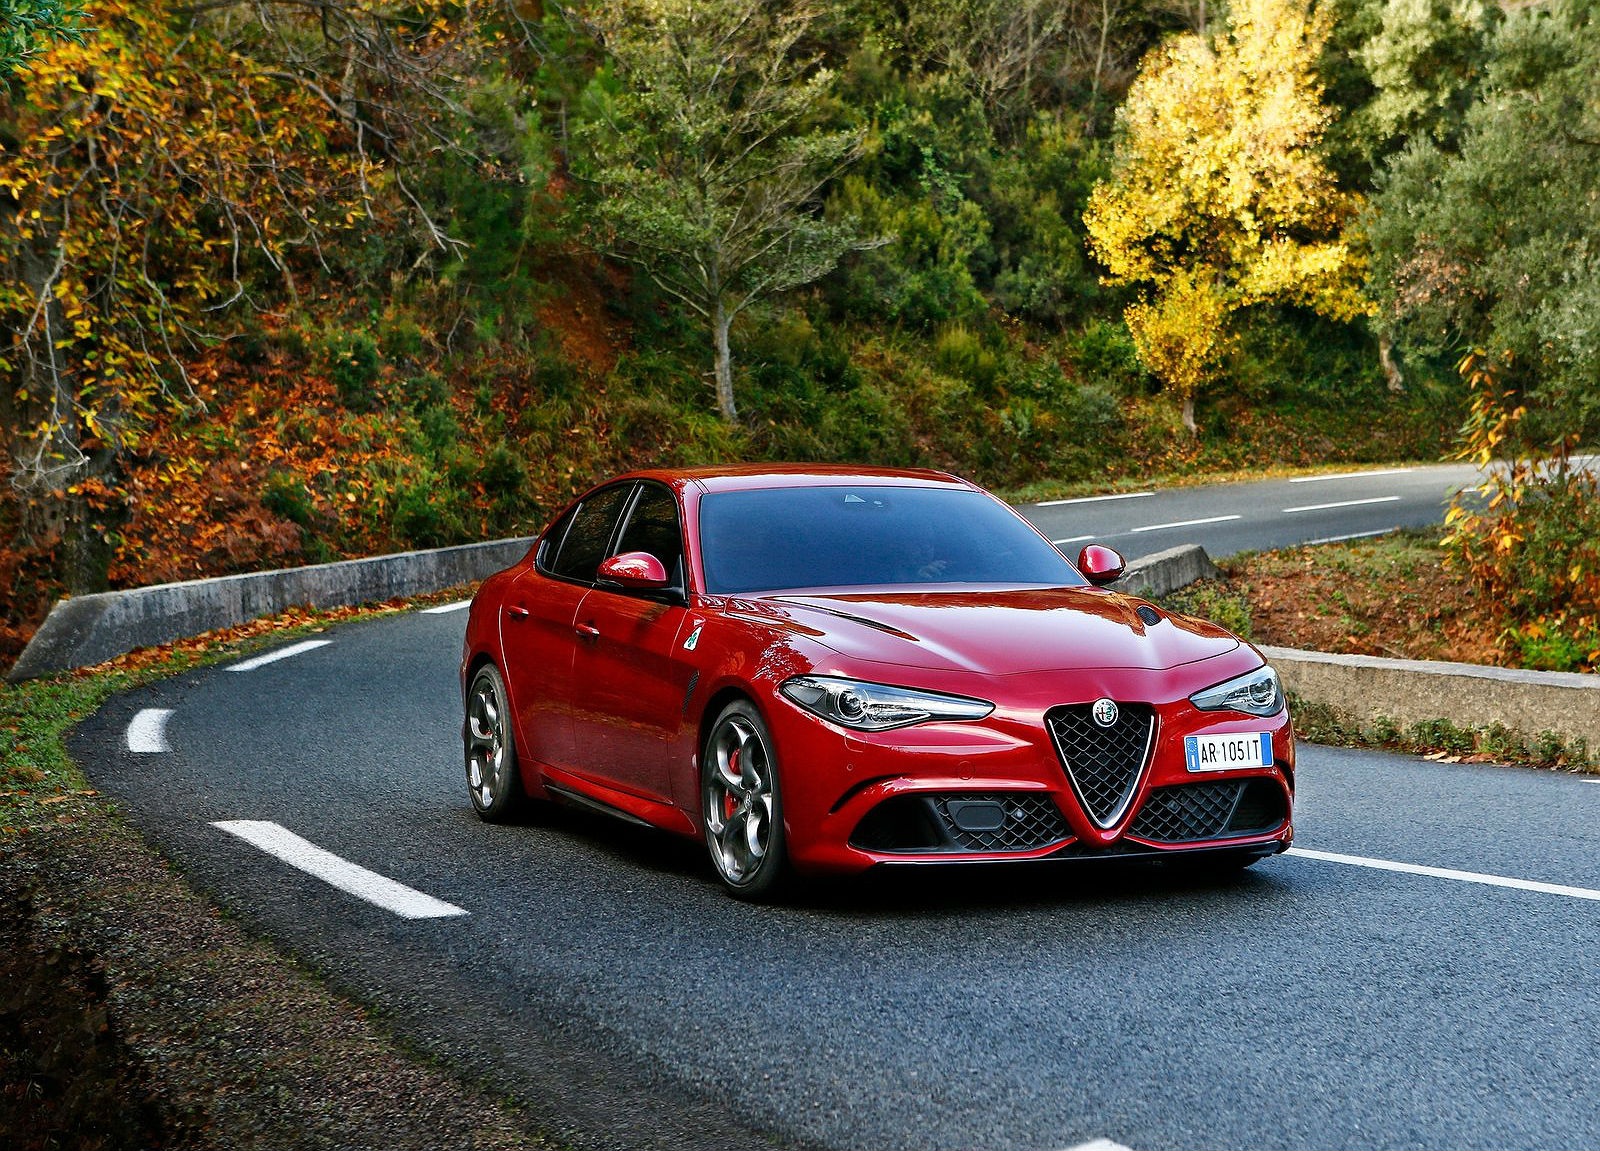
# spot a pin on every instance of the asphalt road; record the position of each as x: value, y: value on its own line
x: 1228, y: 518
x: 598, y: 974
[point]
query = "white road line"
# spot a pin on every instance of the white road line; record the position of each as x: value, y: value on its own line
x: 280, y: 653
x: 284, y: 844
x: 1449, y: 873
x: 1185, y: 524
x: 1071, y: 540
x: 1351, y: 536
x: 444, y: 607
x: 1344, y: 504
x: 1099, y: 1145
x: 1348, y: 476
x: 1094, y: 499
x: 147, y: 732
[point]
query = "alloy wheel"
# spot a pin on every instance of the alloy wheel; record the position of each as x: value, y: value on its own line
x: 739, y: 800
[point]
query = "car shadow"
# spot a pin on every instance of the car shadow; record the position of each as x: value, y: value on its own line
x: 916, y: 889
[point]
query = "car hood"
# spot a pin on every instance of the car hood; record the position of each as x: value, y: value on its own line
x: 1003, y: 631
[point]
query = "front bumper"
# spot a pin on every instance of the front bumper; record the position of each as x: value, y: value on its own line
x: 997, y: 790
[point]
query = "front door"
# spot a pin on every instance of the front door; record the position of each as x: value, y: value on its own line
x: 537, y: 626
x: 631, y: 670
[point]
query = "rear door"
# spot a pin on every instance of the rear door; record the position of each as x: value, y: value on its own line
x: 537, y: 625
x: 631, y: 670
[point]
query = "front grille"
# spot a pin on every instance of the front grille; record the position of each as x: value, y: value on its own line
x: 926, y: 824
x: 1030, y: 822
x: 1103, y: 763
x: 1189, y: 812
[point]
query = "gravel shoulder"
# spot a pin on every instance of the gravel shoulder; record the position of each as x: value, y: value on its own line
x: 135, y: 1013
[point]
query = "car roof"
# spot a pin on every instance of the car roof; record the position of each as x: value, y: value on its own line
x: 742, y: 477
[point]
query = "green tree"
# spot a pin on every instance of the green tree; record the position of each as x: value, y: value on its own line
x: 705, y: 159
x: 1424, y: 62
x: 1493, y: 245
x: 1219, y: 198
x: 26, y: 26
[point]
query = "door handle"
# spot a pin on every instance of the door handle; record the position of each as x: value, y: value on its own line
x: 586, y: 630
x: 517, y: 612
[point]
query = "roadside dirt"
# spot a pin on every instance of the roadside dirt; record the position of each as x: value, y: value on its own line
x: 1391, y: 597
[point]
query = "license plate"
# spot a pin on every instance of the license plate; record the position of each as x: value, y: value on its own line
x: 1227, y: 752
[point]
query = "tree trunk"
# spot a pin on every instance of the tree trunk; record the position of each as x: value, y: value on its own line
x: 721, y: 321
x: 1188, y: 416
x: 49, y: 452
x: 1100, y: 55
x: 1391, y: 370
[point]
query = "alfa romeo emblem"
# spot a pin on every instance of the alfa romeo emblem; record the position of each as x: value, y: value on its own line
x: 1105, y: 712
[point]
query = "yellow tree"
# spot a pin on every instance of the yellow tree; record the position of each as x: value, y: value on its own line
x: 1218, y: 198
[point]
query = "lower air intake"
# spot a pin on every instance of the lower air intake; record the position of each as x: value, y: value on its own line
x: 1190, y: 812
x: 962, y: 822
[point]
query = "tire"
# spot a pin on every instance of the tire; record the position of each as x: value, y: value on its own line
x: 493, y: 779
x: 741, y: 804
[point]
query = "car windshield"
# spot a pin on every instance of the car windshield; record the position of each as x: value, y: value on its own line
x: 862, y: 536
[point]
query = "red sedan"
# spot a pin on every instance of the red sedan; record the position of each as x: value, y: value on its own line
x: 828, y: 669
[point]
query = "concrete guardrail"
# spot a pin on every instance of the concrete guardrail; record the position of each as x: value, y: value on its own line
x: 1369, y: 689
x: 1162, y: 573
x: 86, y: 630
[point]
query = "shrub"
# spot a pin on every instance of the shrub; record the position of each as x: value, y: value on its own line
x: 1529, y: 534
x: 285, y: 494
x: 353, y: 364
x: 960, y: 352
x: 1214, y: 600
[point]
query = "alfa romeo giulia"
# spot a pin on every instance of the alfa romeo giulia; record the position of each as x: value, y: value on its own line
x: 824, y: 669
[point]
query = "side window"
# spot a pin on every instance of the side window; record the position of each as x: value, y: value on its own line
x: 585, y: 543
x: 653, y: 527
x: 552, y: 542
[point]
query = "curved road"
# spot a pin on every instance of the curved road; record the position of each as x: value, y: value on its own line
x: 597, y: 973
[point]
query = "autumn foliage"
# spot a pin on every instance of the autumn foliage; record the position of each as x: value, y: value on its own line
x: 1219, y: 198
x: 1529, y: 533
x: 285, y: 281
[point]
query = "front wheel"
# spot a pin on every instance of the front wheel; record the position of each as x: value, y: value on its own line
x: 741, y: 804
x: 491, y: 752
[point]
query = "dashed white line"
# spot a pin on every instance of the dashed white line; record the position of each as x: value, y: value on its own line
x: 147, y: 732
x: 1348, y: 476
x: 281, y: 843
x: 1094, y: 499
x: 444, y: 607
x: 1099, y: 1145
x: 1449, y: 873
x: 280, y: 653
x: 1351, y: 536
x: 1344, y: 504
x: 1071, y: 540
x: 1186, y: 524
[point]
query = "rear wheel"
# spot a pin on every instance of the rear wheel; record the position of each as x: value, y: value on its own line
x: 491, y: 753
x: 741, y: 804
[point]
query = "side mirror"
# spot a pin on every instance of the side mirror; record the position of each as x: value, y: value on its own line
x: 638, y: 570
x: 1100, y: 565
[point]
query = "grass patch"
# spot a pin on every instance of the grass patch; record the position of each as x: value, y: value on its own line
x: 1440, y: 739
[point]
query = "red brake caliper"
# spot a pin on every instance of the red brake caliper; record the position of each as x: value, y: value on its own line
x: 729, y: 804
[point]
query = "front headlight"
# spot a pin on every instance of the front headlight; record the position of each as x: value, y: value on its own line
x: 1254, y: 693
x: 877, y: 706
